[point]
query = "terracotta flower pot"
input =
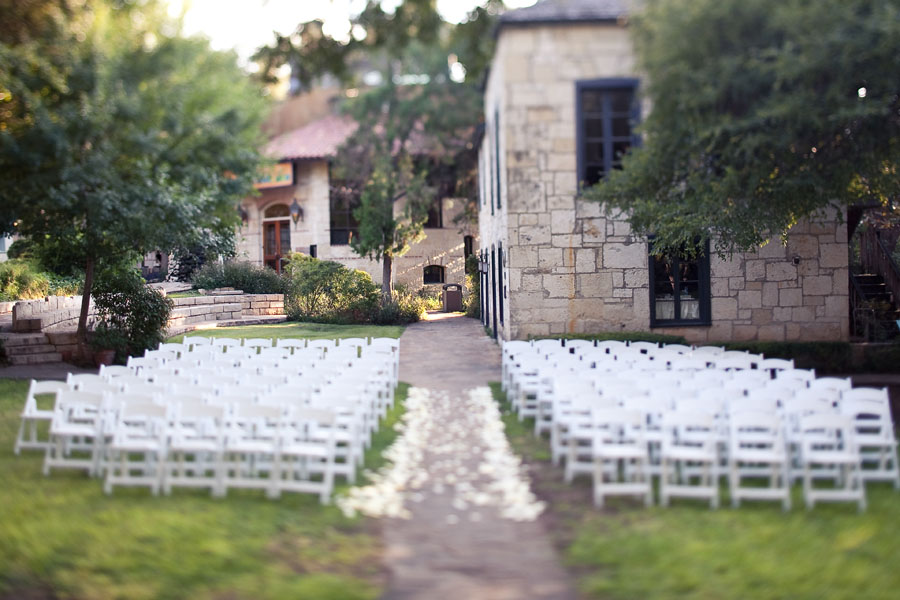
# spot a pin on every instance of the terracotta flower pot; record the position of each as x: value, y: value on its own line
x: 104, y: 357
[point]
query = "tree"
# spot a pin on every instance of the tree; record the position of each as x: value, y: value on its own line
x: 129, y: 138
x: 763, y: 113
x: 414, y: 142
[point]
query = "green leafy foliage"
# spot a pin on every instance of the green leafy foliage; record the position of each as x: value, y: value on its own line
x: 404, y: 308
x: 121, y: 136
x: 132, y: 317
x: 327, y: 291
x: 763, y: 113
x: 20, y: 279
x: 252, y: 279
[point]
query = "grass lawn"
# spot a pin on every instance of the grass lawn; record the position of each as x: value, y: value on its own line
x: 690, y: 551
x: 60, y: 536
x: 299, y: 330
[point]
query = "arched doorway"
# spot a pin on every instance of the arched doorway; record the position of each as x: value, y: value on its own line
x: 276, y: 235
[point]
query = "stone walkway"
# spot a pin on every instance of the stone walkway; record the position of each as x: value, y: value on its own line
x: 441, y: 552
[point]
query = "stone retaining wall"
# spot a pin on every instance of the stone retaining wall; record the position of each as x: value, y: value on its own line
x: 60, y: 313
x: 49, y: 314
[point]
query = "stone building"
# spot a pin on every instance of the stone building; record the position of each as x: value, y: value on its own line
x: 560, y: 102
x: 299, y: 210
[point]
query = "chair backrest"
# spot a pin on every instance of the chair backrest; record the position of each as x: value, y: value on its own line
x: 758, y: 401
x: 258, y: 343
x: 829, y: 432
x: 325, y: 344
x: 292, y: 343
x: 679, y: 348
x: 775, y: 364
x: 696, y: 430
x: 708, y: 351
x: 875, y: 394
x: 225, y: 342
x: 550, y: 345
x: 196, y: 340
x: 617, y: 426
x: 757, y: 431
x: 354, y: 341
x: 796, y: 374
x: 840, y: 384
x: 644, y: 347
x: 112, y: 371
x: 577, y: 346
x: 40, y: 388
x: 609, y: 346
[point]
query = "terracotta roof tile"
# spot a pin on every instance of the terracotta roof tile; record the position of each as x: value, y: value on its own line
x: 319, y: 139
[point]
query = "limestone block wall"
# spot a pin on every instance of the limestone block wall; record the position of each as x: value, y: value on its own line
x: 570, y: 269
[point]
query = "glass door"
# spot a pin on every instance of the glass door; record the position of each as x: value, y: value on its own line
x: 276, y: 243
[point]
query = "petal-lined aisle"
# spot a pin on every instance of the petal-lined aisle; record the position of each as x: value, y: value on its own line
x: 468, y: 523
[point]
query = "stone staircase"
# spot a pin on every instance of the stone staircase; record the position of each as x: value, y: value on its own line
x: 29, y: 349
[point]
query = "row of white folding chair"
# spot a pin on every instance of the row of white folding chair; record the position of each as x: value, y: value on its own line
x: 689, y: 460
x: 141, y: 428
x: 258, y: 447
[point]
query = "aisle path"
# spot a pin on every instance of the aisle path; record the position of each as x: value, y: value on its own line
x: 444, y: 552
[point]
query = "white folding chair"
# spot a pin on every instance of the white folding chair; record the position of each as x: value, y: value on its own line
x: 33, y: 415
x: 837, y: 384
x: 291, y: 344
x: 620, y: 455
x: 757, y: 453
x: 689, y: 458
x: 76, y: 430
x: 307, y: 453
x: 251, y: 449
x: 195, y: 447
x: 137, y: 452
x: 874, y: 433
x: 193, y: 342
x: 109, y: 372
x: 226, y: 343
x: 829, y: 451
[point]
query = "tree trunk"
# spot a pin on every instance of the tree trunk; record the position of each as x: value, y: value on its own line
x: 387, y: 278
x: 85, y: 305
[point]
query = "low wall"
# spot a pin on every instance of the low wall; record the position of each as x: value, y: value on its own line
x: 60, y: 313
x: 52, y: 313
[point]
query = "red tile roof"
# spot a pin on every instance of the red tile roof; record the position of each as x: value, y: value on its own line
x: 319, y: 139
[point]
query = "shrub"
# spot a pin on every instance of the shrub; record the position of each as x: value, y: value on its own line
x: 431, y: 297
x: 327, y: 291
x: 21, y: 248
x: 473, y: 286
x: 405, y: 308
x: 61, y: 285
x: 129, y: 311
x: 20, y: 279
x: 252, y: 279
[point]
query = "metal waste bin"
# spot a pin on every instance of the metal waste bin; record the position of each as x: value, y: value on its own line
x: 452, y: 297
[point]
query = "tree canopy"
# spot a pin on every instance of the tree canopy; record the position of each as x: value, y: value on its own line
x: 763, y: 113
x: 118, y: 135
x: 415, y: 140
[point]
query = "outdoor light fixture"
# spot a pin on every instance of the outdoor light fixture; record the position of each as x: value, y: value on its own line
x: 296, y: 211
x: 245, y: 217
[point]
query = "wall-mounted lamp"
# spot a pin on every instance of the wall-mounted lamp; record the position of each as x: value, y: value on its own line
x: 795, y: 259
x: 245, y: 216
x: 296, y: 211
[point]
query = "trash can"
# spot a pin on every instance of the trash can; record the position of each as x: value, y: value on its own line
x: 452, y: 297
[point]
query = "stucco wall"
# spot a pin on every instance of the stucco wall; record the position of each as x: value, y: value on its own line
x: 442, y: 246
x: 570, y: 269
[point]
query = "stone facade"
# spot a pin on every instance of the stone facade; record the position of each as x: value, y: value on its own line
x: 442, y: 246
x: 567, y: 268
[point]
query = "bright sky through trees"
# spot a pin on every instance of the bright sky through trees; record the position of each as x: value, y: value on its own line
x: 245, y: 25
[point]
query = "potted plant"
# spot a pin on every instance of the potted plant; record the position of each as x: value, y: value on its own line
x: 107, y: 341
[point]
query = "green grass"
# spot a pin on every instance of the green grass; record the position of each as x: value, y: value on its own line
x: 185, y: 294
x: 299, y: 330
x: 689, y: 551
x: 60, y: 536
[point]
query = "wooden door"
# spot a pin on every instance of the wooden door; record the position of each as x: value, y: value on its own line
x: 276, y: 243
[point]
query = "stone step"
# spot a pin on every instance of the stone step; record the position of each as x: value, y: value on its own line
x: 11, y: 340
x: 26, y: 350
x: 35, y: 359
